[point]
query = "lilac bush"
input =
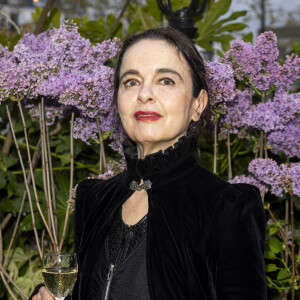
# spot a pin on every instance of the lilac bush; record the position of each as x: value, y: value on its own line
x: 257, y: 64
x: 67, y: 70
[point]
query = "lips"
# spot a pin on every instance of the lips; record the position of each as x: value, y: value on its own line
x: 147, y: 116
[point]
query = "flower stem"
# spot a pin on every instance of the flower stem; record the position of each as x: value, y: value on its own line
x: 7, y: 287
x: 215, y: 145
x: 78, y: 164
x: 71, y: 181
x: 229, y: 155
x: 293, y: 245
x: 13, y: 282
x: 43, y: 164
x: 281, y: 234
x: 48, y: 188
x: 261, y: 137
x: 102, y: 153
x: 31, y: 170
x: 52, y: 183
x: 286, y: 226
x: 35, y: 160
x: 25, y: 181
x: 266, y: 146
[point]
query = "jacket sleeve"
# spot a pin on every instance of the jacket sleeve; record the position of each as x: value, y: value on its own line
x: 240, y: 241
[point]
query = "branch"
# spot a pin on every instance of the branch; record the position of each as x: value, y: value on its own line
x: 13, y: 283
x: 215, y: 145
x: 10, y: 21
x: 32, y: 174
x: 9, y: 139
x: 7, y: 287
x: 117, y: 20
x: 5, y: 221
x: 71, y: 181
x: 43, y: 16
x: 25, y: 181
x: 35, y: 160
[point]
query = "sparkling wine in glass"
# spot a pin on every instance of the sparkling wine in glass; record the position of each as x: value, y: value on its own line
x: 59, y: 273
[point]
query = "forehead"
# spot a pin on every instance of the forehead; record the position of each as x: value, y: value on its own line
x: 150, y: 55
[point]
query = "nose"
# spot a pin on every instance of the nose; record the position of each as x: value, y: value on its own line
x: 146, y: 93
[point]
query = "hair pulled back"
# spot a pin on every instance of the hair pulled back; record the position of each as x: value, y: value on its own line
x: 181, y: 43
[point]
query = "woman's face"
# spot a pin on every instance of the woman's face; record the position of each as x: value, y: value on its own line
x: 155, y: 98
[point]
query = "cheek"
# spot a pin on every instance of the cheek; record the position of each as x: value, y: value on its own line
x: 180, y: 108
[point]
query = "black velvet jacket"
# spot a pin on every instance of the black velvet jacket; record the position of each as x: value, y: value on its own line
x: 205, y: 237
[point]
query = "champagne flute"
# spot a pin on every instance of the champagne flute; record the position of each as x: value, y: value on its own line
x: 59, y: 273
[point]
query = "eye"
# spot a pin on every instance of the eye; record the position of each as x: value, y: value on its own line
x: 167, y: 81
x: 130, y: 82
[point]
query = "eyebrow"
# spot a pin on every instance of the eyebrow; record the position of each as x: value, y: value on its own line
x: 157, y: 71
x: 166, y: 70
x: 129, y: 72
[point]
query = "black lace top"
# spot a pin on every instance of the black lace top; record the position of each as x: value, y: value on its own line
x: 123, y: 238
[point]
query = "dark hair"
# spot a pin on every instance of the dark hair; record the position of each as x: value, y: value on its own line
x: 181, y: 43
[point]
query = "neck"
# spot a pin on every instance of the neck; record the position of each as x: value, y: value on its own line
x: 146, y: 148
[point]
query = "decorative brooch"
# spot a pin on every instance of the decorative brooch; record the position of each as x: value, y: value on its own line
x: 134, y: 186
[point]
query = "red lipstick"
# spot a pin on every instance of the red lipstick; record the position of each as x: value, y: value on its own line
x: 147, y: 116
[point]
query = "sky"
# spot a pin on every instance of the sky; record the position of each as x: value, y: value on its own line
x: 278, y: 12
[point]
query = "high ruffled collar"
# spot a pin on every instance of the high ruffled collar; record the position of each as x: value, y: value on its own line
x: 158, y: 162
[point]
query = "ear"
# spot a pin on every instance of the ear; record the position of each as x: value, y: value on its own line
x: 199, y: 105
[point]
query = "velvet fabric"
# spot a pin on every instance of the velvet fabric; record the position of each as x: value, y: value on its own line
x: 205, y: 237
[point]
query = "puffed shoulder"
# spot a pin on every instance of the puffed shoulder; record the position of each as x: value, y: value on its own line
x: 239, y: 241
x: 240, y: 196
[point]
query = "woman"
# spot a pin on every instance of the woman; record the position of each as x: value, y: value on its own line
x: 166, y: 228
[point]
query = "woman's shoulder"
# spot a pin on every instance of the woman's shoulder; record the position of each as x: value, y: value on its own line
x: 89, y: 184
x: 90, y: 190
x: 240, y: 201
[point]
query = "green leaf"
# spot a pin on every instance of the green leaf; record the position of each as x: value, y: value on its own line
x: 36, y: 14
x: 26, y: 223
x: 217, y: 9
x: 283, y: 273
x: 2, y: 179
x: 3, y: 40
x: 54, y: 18
x: 271, y: 268
x: 248, y: 38
x: 154, y: 11
x: 233, y: 17
x: 275, y: 245
x: 231, y: 27
x: 7, y: 161
x: 225, y: 45
x: 270, y: 255
x: 206, y: 45
x: 223, y: 38
x: 10, y: 205
x: 273, y: 230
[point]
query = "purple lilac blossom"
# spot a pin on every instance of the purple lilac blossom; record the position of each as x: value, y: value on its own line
x: 277, y: 177
x: 221, y: 84
x: 91, y: 94
x: 238, y: 108
x: 294, y: 172
x: 288, y: 72
x: 249, y: 180
x: 286, y: 140
x: 258, y: 64
x: 62, y: 65
x: 242, y: 59
x: 85, y: 129
x: 52, y: 112
x: 113, y: 169
x: 272, y: 115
